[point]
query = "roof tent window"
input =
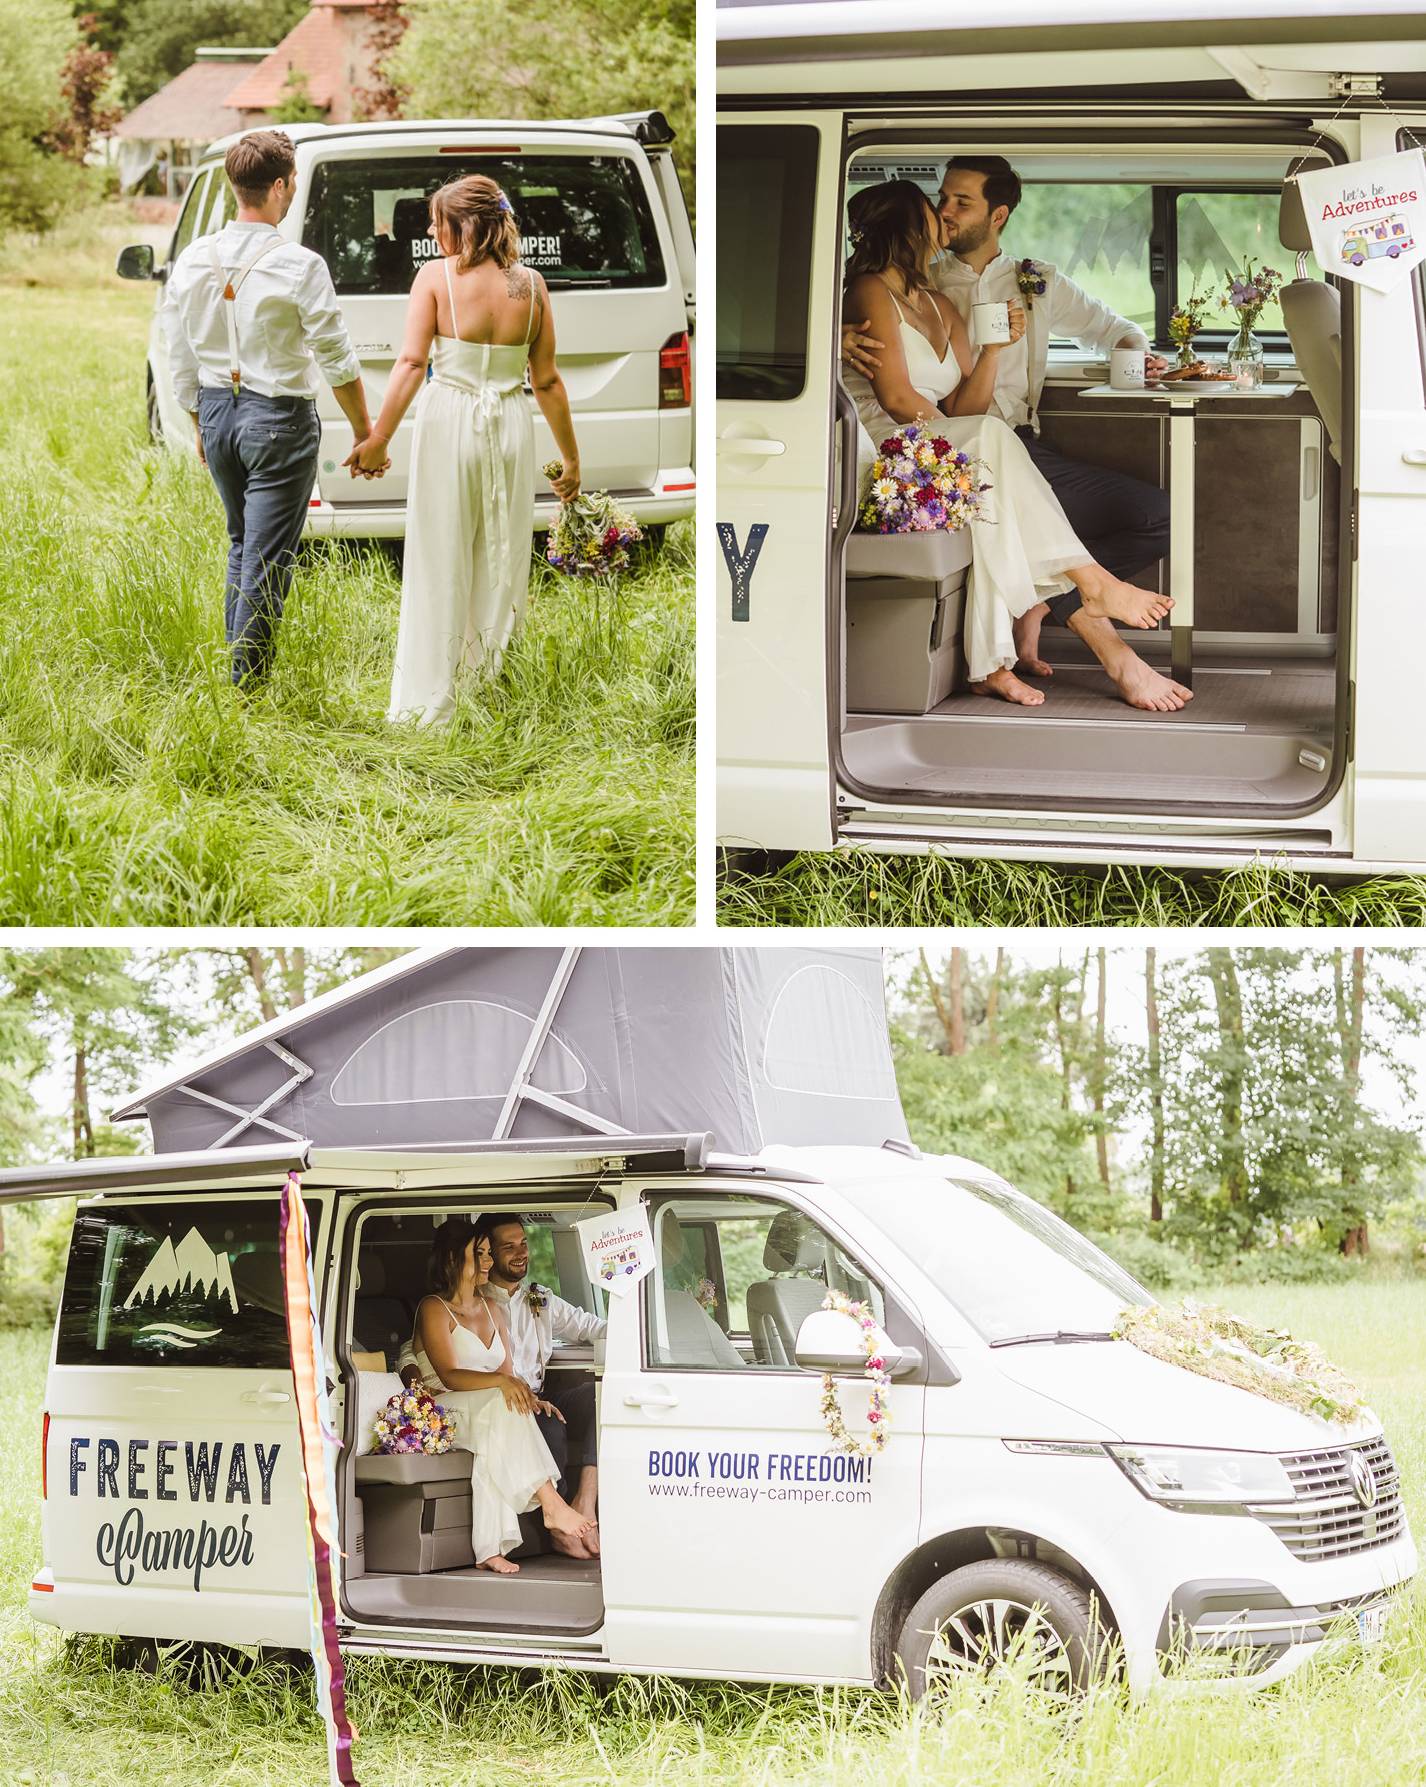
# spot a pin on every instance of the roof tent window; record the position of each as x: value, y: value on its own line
x: 825, y: 1038
x: 458, y: 1048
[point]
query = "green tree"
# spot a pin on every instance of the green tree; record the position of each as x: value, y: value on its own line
x: 36, y: 185
x: 551, y: 59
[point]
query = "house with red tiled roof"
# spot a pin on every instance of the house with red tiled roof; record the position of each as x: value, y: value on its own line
x: 171, y: 128
x: 328, y: 56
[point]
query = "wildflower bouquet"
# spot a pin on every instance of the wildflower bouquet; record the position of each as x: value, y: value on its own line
x: 1266, y: 1361
x: 1184, y: 323
x: 591, y: 535
x: 1249, y: 292
x: 920, y: 484
x: 414, y: 1422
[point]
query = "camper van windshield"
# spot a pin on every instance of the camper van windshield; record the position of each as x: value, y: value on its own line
x: 1007, y: 1263
x: 585, y: 220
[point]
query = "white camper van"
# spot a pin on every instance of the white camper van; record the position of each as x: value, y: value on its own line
x: 603, y: 219
x: 1154, y: 142
x: 1040, y: 1477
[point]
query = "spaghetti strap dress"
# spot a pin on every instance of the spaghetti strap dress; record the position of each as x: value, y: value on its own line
x: 511, y: 1457
x: 1021, y: 542
x: 470, y: 510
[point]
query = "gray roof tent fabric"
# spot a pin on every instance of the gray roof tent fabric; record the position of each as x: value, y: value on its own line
x: 756, y: 1045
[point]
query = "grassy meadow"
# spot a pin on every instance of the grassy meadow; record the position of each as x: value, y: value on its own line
x: 67, y: 1716
x: 863, y: 887
x: 137, y: 788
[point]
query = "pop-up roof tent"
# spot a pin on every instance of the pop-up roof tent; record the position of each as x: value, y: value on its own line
x: 448, y: 1047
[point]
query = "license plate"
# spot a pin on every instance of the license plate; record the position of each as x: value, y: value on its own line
x: 1371, y: 1624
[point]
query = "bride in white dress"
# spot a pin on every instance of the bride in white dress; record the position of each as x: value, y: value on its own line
x: 463, y: 1354
x: 1024, y: 547
x: 480, y: 317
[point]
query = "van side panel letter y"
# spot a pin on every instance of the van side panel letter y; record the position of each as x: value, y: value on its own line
x: 740, y: 564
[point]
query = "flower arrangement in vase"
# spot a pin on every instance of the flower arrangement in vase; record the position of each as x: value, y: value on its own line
x: 1249, y: 293
x: 1184, y: 323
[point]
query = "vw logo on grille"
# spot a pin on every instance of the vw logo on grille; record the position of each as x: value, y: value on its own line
x: 1363, y: 1482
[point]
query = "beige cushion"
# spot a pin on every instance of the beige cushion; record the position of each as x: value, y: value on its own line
x: 927, y: 557
x: 1312, y: 312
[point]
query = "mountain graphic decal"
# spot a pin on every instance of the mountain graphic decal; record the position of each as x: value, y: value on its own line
x: 192, y: 1265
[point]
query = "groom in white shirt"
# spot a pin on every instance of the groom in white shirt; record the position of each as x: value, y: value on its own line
x: 252, y: 322
x: 537, y: 1318
x: 1122, y: 521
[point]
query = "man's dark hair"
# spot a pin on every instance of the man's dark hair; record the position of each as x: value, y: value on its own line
x: 256, y: 160
x: 490, y: 1220
x: 1002, y: 183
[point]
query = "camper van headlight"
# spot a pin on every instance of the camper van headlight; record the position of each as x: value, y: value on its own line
x: 1187, y: 1477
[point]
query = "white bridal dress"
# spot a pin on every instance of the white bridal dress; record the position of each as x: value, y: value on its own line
x: 470, y: 510
x: 511, y: 1457
x: 1022, y: 541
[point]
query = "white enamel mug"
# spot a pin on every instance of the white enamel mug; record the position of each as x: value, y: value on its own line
x: 1126, y: 368
x: 989, y: 323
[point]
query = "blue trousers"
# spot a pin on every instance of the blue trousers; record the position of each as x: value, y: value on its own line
x: 1123, y: 521
x: 262, y: 454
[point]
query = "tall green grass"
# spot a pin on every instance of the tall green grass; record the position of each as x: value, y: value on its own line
x: 864, y: 887
x: 137, y: 788
x: 66, y: 1714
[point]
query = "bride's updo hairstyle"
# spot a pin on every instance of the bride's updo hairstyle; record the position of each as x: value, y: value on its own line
x: 476, y: 216
x: 891, y: 227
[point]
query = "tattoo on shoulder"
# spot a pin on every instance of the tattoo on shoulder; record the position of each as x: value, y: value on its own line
x: 517, y: 281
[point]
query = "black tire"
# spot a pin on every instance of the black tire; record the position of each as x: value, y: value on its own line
x: 155, y: 419
x: 654, y: 540
x: 1052, y: 1610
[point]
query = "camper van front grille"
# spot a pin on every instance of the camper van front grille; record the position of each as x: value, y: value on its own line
x: 1328, y: 1519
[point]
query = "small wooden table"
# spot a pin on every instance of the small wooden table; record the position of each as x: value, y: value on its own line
x: 1181, y: 406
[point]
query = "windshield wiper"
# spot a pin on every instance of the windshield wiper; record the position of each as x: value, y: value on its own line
x: 1060, y: 1334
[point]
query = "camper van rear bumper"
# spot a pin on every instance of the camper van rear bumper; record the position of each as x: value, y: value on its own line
x: 148, y: 1611
x: 670, y: 499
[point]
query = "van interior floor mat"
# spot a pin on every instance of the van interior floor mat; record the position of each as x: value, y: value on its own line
x: 1288, y: 696
x: 551, y: 1594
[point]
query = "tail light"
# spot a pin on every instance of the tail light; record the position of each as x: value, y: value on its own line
x: 45, y: 1458
x: 675, y: 374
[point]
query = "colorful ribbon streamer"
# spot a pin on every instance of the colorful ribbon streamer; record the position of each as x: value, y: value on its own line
x: 319, y: 1452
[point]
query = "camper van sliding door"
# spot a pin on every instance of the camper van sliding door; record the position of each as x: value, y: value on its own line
x: 1390, y: 752
x: 777, y: 304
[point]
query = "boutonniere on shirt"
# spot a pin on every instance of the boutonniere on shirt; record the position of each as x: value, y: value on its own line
x: 1031, y: 282
x: 705, y: 1295
x: 537, y: 1297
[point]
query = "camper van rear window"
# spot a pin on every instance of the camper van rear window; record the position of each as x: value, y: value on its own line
x: 196, y: 1283
x: 585, y: 220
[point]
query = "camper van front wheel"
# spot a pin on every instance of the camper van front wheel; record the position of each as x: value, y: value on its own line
x: 1003, y: 1612
x: 155, y: 417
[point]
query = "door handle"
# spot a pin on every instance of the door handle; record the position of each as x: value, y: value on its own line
x: 267, y: 1398
x: 1414, y: 456
x: 755, y: 446
x: 638, y: 1400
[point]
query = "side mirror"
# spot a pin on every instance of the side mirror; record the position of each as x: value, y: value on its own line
x: 136, y: 262
x: 830, y: 1341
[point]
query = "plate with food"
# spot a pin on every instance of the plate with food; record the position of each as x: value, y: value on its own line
x: 1202, y: 375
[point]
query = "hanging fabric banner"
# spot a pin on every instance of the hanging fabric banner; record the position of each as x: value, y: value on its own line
x: 318, y: 1452
x: 1368, y: 218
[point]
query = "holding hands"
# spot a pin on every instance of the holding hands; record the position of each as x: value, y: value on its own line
x: 369, y: 458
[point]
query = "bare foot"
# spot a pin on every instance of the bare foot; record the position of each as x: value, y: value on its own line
x: 1126, y: 602
x: 1027, y: 641
x: 498, y: 1566
x: 1008, y: 687
x: 1142, y: 686
x: 571, y: 1547
x: 561, y: 1518
x: 591, y: 1538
